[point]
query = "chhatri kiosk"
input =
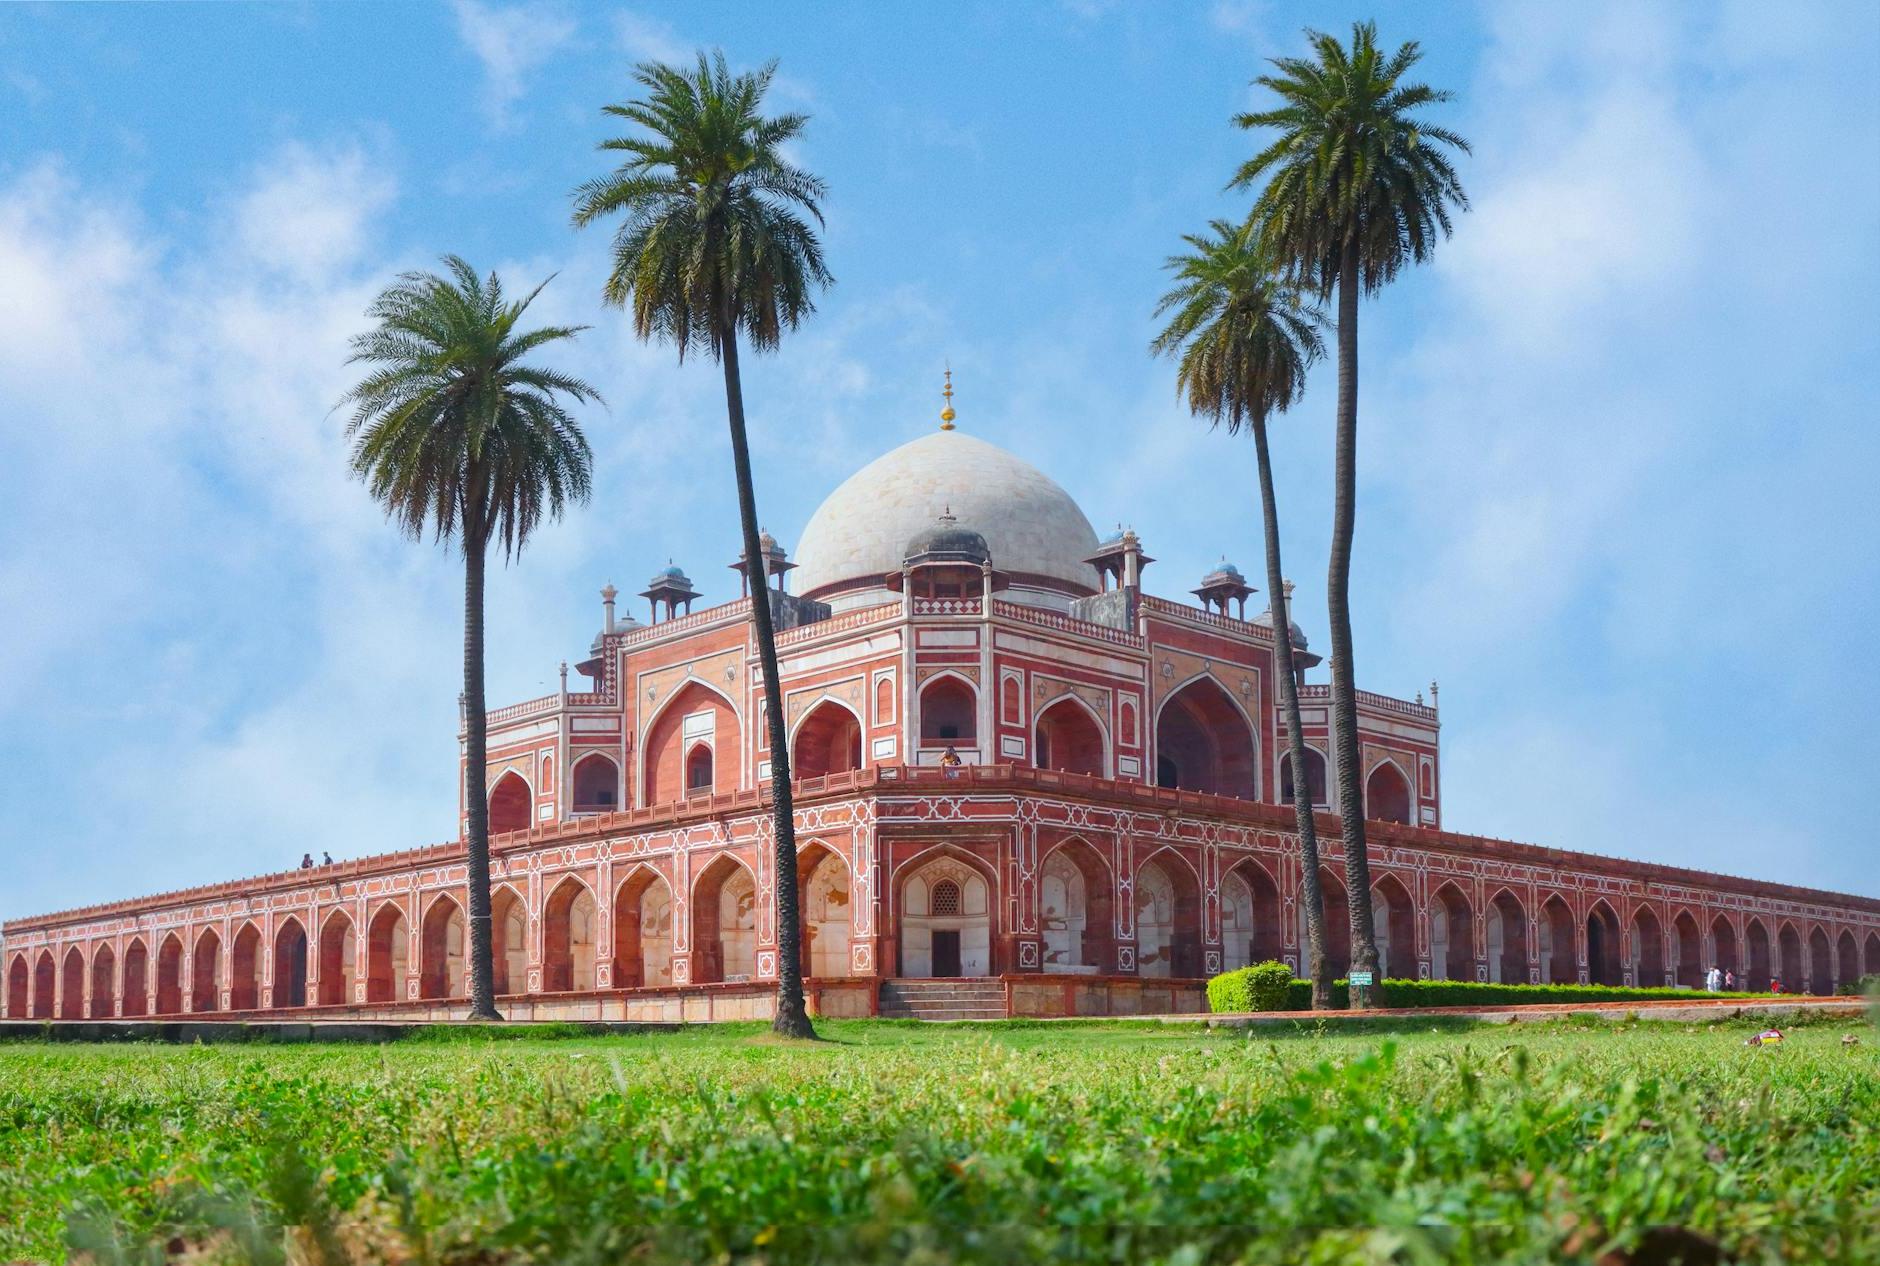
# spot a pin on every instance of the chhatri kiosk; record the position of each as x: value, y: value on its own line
x: 1117, y: 827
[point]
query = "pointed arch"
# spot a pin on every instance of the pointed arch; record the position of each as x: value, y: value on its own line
x: 643, y: 909
x: 1559, y: 953
x: 1758, y: 969
x: 1168, y: 916
x: 205, y: 977
x: 827, y: 740
x: 1206, y: 742
x: 1069, y: 736
x: 1077, y: 908
x: 949, y: 711
x: 945, y: 914
x: 1687, y: 944
x: 1337, y: 904
x: 512, y: 804
x: 388, y: 953
x: 338, y: 955
x: 72, y: 982
x: 1259, y: 924
x: 1387, y: 795
x: 509, y: 940
x: 596, y: 783
x: 1452, y: 934
x: 1871, y: 953
x: 45, y: 985
x: 1605, y: 964
x: 825, y: 902
x: 170, y: 975
x: 245, y: 964
x: 1724, y: 954
x: 1315, y: 776
x: 1820, y: 962
x: 19, y: 988
x: 104, y: 983
x: 290, y: 963
x: 134, y: 983
x: 1506, y: 929
x: 724, y: 921
x: 570, y: 937
x: 1648, y: 948
x: 441, y: 949
x: 1791, y: 968
x: 1847, y: 959
x: 696, y: 714
x: 1394, y: 924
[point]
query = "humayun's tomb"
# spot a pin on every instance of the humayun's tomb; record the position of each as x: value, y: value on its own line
x: 1118, y: 829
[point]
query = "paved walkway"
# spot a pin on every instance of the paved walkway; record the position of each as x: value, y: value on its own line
x: 1776, y: 1007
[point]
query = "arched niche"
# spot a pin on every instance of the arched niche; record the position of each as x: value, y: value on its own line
x: 290, y: 964
x: 692, y: 746
x: 338, y: 958
x: 1315, y: 777
x: 946, y: 920
x: 643, y: 931
x: 1559, y: 953
x: 1452, y: 935
x: 388, y: 954
x: 45, y: 985
x: 1604, y: 962
x: 103, y: 983
x: 510, y: 804
x: 19, y: 988
x: 246, y: 969
x: 1077, y: 910
x: 1205, y: 743
x: 1648, y: 948
x: 570, y: 935
x: 949, y: 712
x: 170, y: 976
x: 1168, y: 918
x: 509, y: 942
x: 443, y: 953
x: 1505, y: 929
x: 1250, y: 916
x: 825, y: 907
x: 1337, y: 923
x: 72, y: 996
x: 135, y: 988
x: 1393, y: 926
x: 1688, y: 946
x: 596, y: 784
x: 1069, y: 737
x: 828, y: 741
x: 1387, y: 795
x: 724, y: 922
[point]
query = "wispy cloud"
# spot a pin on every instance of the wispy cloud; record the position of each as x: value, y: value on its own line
x: 512, y: 43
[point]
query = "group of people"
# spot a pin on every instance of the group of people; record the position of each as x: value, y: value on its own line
x: 306, y: 860
x: 1726, y: 981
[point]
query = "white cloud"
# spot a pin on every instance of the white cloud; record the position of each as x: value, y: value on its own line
x: 512, y: 43
x: 647, y: 39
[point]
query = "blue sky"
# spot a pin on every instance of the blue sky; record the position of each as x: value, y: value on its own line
x: 1618, y: 441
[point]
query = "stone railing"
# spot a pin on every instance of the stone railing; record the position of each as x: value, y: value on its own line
x: 1322, y: 693
x: 520, y: 711
x: 1197, y: 615
x: 1065, y: 624
x: 684, y: 623
x: 838, y: 623
x: 946, y: 606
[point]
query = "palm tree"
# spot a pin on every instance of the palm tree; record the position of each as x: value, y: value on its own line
x: 717, y: 241
x: 459, y: 438
x: 1245, y: 339
x: 1357, y: 186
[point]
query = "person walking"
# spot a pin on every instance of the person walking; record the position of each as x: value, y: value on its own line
x: 1729, y: 980
x: 1713, y: 980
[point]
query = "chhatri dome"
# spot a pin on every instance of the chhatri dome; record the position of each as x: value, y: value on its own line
x: 1035, y: 532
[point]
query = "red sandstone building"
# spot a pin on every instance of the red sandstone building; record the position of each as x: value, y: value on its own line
x: 1117, y: 828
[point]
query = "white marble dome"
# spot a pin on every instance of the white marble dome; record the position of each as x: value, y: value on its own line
x: 858, y: 535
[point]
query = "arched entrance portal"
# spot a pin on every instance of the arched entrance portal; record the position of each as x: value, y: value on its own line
x: 510, y: 799
x: 1387, y: 795
x: 570, y: 931
x: 103, y: 983
x: 1756, y: 974
x: 338, y: 956
x: 509, y: 945
x: 1604, y: 965
x: 1506, y: 930
x: 724, y: 923
x: 946, y: 920
x: 1559, y: 965
x: 643, y: 931
x: 1250, y: 906
x: 1068, y: 738
x: 1203, y: 742
x: 246, y: 975
x: 441, y: 958
x: 290, y: 964
x: 1393, y: 925
x: 1452, y: 935
x: 1648, y: 949
x: 1168, y: 918
x: 824, y: 908
x: 1077, y: 910
x: 828, y: 742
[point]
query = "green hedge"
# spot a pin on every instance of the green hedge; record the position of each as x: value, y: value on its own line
x: 1234, y: 991
x: 1867, y: 986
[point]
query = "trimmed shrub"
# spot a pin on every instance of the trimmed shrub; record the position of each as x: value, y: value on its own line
x: 1261, y: 987
x: 1234, y: 991
x: 1867, y: 986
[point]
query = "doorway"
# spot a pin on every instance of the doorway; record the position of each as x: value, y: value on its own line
x: 946, y: 952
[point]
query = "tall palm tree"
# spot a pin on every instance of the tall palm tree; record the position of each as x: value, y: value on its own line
x: 458, y: 437
x: 1245, y: 339
x: 716, y: 241
x: 1357, y: 187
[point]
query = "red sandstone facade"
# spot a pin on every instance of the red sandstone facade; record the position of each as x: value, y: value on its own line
x: 1116, y: 830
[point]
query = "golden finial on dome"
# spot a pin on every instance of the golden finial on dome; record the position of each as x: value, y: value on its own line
x: 946, y: 414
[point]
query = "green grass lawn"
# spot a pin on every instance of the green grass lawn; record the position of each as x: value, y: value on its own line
x: 909, y: 1144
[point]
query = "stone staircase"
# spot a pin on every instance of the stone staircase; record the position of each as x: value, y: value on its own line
x: 960, y: 999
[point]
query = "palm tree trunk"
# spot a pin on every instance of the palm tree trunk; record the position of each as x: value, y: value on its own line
x: 792, y: 1017
x: 1347, y: 753
x: 475, y: 772
x: 1314, y: 902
